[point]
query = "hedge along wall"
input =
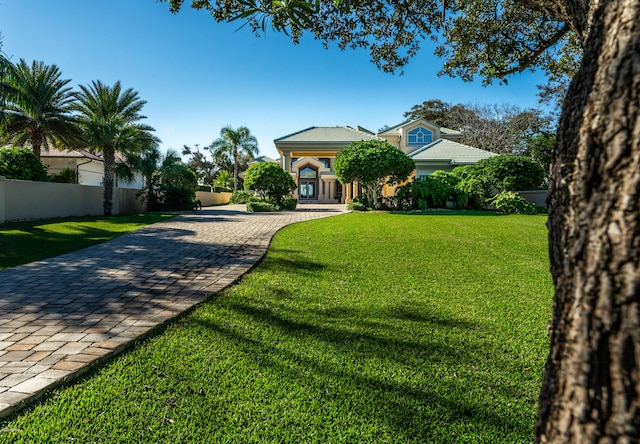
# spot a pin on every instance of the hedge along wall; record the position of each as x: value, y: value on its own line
x: 25, y: 200
x: 209, y: 199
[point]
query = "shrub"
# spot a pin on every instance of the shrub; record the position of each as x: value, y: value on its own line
x: 433, y: 191
x: 178, y: 188
x: 67, y: 175
x: 21, y: 163
x: 269, y: 180
x: 289, y: 203
x: 261, y: 206
x: 511, y: 202
x: 357, y: 206
x: 240, y: 197
x: 512, y: 172
x: 473, y: 187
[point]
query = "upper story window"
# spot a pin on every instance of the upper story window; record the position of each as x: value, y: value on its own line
x: 326, y: 161
x: 308, y: 173
x: 419, y: 136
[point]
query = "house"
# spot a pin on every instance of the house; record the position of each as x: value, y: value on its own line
x: 89, y: 167
x: 308, y: 155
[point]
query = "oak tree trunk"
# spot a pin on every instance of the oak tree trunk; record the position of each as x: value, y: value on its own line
x: 591, y: 390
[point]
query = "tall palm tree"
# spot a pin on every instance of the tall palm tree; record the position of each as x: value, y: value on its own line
x: 38, y: 105
x: 110, y: 120
x: 234, y: 143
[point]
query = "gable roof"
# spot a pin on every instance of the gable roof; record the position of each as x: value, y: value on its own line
x: 393, y: 130
x: 263, y: 159
x: 331, y: 134
x: 448, y: 150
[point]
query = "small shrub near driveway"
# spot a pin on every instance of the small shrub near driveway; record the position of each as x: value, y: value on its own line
x: 240, y: 197
x: 261, y: 206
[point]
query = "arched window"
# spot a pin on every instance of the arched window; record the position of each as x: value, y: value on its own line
x: 419, y: 136
x: 308, y: 173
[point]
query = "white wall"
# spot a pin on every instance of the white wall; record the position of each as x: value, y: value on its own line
x: 24, y: 200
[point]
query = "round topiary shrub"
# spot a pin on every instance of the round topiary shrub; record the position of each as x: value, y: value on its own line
x: 270, y: 181
x: 21, y: 163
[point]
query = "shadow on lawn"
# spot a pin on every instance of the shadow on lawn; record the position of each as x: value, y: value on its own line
x: 380, y: 366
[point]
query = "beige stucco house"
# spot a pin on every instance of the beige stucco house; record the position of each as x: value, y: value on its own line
x: 308, y: 155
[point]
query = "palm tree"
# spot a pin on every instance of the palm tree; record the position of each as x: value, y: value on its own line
x: 234, y: 143
x: 38, y: 105
x: 109, y: 117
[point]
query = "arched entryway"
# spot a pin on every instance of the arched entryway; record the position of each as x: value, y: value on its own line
x: 308, y: 183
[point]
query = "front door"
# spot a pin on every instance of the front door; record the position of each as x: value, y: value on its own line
x: 307, y: 189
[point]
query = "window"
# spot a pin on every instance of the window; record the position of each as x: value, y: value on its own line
x: 419, y: 136
x: 326, y: 161
x: 308, y: 173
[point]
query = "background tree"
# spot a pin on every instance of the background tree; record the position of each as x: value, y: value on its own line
x: 178, y: 184
x: 204, y: 168
x: 235, y: 144
x: 590, y: 391
x: 496, y: 128
x: 110, y: 120
x: 37, y: 106
x: 372, y: 163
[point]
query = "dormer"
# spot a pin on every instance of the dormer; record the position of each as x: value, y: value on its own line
x: 413, y: 135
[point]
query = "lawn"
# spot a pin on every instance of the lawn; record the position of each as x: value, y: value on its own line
x: 367, y: 327
x: 24, y: 242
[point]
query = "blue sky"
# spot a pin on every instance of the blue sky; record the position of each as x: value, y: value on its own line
x: 198, y: 75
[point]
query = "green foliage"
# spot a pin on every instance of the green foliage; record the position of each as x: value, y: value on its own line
x: 372, y: 163
x: 511, y: 202
x: 357, y: 206
x: 223, y: 181
x: 178, y: 187
x: 110, y: 117
x: 67, y: 175
x: 540, y: 149
x: 21, y: 163
x: 37, y: 106
x: 429, y: 192
x: 261, y: 206
x: 234, y: 146
x: 241, y: 197
x: 269, y: 180
x: 473, y: 187
x: 512, y: 172
x: 289, y: 203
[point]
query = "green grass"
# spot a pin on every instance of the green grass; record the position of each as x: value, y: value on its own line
x: 367, y: 327
x: 24, y: 242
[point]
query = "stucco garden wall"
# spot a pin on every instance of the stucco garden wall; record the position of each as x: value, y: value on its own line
x: 536, y: 197
x: 24, y: 200
x: 208, y: 199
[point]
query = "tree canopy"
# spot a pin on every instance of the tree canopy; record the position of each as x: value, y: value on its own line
x: 372, y: 163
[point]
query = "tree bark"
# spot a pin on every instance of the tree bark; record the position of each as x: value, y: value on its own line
x: 109, y: 171
x: 592, y: 378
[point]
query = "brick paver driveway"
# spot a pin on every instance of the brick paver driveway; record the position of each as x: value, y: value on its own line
x: 60, y: 315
